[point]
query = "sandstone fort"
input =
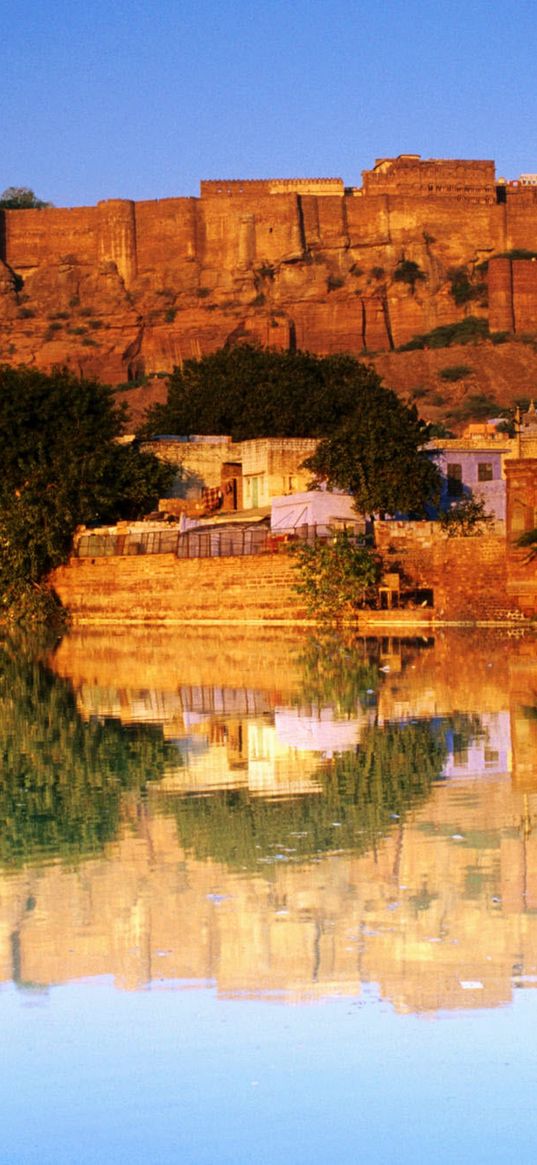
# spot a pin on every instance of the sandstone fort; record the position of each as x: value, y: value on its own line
x: 125, y: 289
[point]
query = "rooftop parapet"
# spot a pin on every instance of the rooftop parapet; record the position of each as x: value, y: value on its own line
x: 409, y: 174
x: 252, y: 186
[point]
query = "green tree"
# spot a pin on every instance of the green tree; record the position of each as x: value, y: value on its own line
x: 61, y: 466
x: 336, y: 577
x: 376, y: 454
x: 466, y: 519
x: 248, y: 392
x: 21, y: 198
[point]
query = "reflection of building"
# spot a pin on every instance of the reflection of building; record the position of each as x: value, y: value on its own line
x: 442, y: 914
x: 485, y: 754
x: 319, y: 730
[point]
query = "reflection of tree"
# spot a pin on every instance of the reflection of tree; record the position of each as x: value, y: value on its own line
x: 338, y: 673
x: 61, y: 779
x: 364, y: 792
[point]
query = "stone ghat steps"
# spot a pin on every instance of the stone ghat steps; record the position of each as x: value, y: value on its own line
x: 161, y: 589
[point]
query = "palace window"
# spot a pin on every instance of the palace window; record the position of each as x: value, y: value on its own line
x: 484, y: 471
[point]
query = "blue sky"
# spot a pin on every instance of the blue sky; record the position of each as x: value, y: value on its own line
x: 141, y: 100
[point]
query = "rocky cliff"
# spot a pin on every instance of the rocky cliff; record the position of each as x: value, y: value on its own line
x: 125, y: 289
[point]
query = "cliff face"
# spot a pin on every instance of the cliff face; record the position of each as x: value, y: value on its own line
x: 123, y: 288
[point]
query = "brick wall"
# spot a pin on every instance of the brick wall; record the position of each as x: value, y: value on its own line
x: 467, y: 575
x: 160, y: 589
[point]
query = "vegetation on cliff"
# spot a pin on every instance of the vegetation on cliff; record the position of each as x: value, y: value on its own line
x: 61, y: 466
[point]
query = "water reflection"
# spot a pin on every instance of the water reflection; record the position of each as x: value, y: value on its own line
x: 278, y: 817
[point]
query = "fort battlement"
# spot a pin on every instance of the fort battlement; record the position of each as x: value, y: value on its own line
x: 251, y: 186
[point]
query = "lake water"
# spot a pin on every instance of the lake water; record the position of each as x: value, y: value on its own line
x: 268, y: 898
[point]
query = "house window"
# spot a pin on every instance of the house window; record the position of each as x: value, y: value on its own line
x: 484, y: 471
x: 454, y: 480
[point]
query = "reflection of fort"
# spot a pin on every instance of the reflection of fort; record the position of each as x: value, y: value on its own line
x: 442, y: 914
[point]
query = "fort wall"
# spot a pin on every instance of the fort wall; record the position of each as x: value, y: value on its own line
x: 283, y: 262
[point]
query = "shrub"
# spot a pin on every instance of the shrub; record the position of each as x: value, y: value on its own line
x: 477, y: 406
x: 203, y: 292
x: 467, y: 331
x: 377, y: 272
x: 336, y: 577
x: 26, y: 313
x: 462, y: 288
x: 259, y: 299
x: 334, y: 281
x: 409, y: 272
x: 466, y: 519
x: 170, y: 314
x: 455, y: 372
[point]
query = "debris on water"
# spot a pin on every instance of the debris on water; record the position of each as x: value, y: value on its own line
x: 471, y: 984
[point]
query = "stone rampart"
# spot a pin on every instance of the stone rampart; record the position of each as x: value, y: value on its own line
x: 285, y: 263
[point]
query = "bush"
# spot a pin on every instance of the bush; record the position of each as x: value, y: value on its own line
x: 336, y: 577
x: 333, y: 282
x: 170, y: 314
x: 466, y: 519
x: 409, y: 272
x: 455, y: 372
x: 467, y: 331
x: 476, y: 407
x: 462, y: 288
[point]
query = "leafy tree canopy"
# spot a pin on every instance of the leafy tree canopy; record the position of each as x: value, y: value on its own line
x: 21, y: 198
x: 336, y: 577
x: 248, y: 392
x: 376, y: 455
x: 62, y: 466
